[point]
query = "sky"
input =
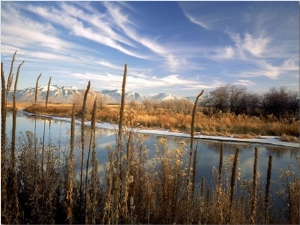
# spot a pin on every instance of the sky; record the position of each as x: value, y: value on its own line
x: 179, y: 48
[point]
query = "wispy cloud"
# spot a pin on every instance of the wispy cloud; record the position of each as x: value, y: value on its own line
x: 109, y: 65
x: 272, y: 71
x: 137, y: 83
x: 222, y: 53
x: 249, y: 44
x: 15, y: 28
x: 244, y: 82
x: 123, y: 22
x: 196, y: 20
x: 93, y: 40
x: 70, y: 18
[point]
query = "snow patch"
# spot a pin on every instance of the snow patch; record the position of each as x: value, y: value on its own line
x: 271, y: 140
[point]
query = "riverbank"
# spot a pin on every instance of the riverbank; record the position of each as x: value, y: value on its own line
x: 270, y: 140
x: 216, y: 125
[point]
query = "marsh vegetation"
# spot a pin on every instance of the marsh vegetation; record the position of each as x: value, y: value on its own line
x: 42, y: 185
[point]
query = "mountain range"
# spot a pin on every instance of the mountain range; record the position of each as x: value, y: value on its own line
x: 68, y: 94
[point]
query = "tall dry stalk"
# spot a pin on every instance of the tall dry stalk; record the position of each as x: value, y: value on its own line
x: 44, y: 131
x: 191, y: 174
x: 108, y: 205
x: 13, y: 169
x: 94, y: 181
x: 118, y: 183
x: 69, y: 193
x: 36, y: 88
x: 267, y: 191
x: 3, y: 146
x: 232, y: 183
x: 254, y: 189
x: 195, y: 162
x: 121, y: 114
x: 35, y: 139
x: 48, y: 90
x: 202, y: 201
x: 10, y: 75
x: 92, y: 140
x: 219, y: 188
x: 82, y: 145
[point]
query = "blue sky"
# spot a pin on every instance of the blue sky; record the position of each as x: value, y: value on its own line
x: 175, y: 47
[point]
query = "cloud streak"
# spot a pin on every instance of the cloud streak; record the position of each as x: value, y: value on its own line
x: 197, y: 45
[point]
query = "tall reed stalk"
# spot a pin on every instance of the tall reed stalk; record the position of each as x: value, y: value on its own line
x: 48, y: 91
x: 254, y: 189
x: 267, y: 191
x: 83, y: 111
x: 13, y: 169
x: 202, y: 201
x: 69, y: 192
x: 121, y: 114
x: 10, y: 75
x: 92, y: 140
x: 219, y: 187
x: 190, y: 188
x: 35, y: 139
x: 232, y: 184
x: 36, y: 88
x: 3, y: 146
x: 44, y: 131
x: 118, y: 183
x: 94, y: 179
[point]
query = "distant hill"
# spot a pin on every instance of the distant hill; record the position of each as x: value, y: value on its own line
x: 66, y: 94
x: 114, y: 96
x: 164, y: 97
x: 57, y: 93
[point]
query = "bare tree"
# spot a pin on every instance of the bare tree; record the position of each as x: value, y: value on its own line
x: 277, y: 102
x: 219, y: 99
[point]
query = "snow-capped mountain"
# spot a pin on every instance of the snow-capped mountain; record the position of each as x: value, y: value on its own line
x: 69, y: 94
x: 165, y: 97
x: 57, y: 93
x: 114, y: 96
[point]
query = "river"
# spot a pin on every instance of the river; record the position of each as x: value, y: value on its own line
x: 58, y: 134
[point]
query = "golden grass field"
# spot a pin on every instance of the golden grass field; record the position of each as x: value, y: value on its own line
x: 221, y: 124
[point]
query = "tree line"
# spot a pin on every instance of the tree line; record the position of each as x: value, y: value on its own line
x: 277, y: 101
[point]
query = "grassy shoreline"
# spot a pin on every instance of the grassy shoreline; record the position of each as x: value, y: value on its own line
x: 42, y: 185
x: 219, y: 124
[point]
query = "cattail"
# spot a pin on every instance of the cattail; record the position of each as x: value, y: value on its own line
x: 219, y: 191
x: 107, y: 211
x: 44, y: 131
x: 202, y: 198
x: 35, y: 139
x: 121, y: 114
x: 254, y: 189
x: 14, y: 201
x: 88, y: 159
x: 268, y: 188
x: 232, y: 183
x: 9, y: 83
x: 220, y: 165
x: 3, y: 146
x: 193, y: 122
x: 118, y: 183
x: 36, y: 88
x: 48, y: 90
x: 82, y: 142
x: 190, y: 173
x: 69, y: 193
x: 95, y: 181
x: 10, y: 75
x: 195, y: 161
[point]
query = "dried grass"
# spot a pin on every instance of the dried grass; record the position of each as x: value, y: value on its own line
x: 138, y: 189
